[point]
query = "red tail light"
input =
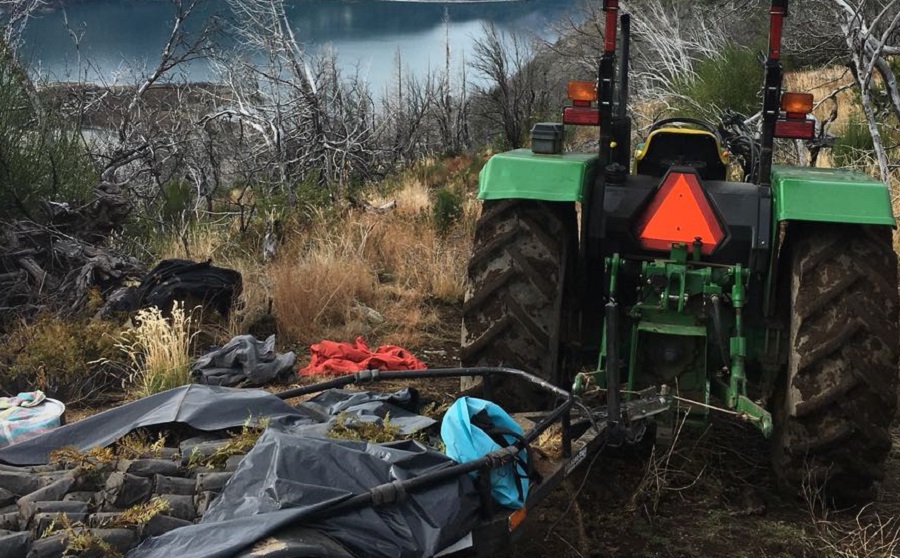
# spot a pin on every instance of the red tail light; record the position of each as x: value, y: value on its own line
x: 679, y: 212
x: 581, y: 116
x: 803, y: 128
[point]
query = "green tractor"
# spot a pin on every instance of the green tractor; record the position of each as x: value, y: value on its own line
x: 774, y: 296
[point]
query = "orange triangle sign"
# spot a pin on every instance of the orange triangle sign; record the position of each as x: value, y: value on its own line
x: 679, y: 212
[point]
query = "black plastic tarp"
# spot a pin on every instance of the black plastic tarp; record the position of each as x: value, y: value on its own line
x: 243, y: 360
x: 202, y: 407
x: 365, y: 406
x: 212, y: 408
x: 287, y: 477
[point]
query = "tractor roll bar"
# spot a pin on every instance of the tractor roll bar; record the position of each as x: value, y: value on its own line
x: 771, y: 90
x: 606, y: 80
x: 611, y: 8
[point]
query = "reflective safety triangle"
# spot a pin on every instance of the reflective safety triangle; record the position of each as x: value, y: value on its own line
x: 679, y: 212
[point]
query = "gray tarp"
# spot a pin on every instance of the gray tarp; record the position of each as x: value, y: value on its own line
x: 211, y: 408
x: 286, y: 477
x: 246, y: 360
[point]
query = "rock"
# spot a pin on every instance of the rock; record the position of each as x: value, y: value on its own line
x: 370, y: 315
x: 15, y: 545
x: 123, y: 491
x: 173, y: 485
x: 160, y: 524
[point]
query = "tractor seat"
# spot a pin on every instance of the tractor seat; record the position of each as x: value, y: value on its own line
x: 687, y: 147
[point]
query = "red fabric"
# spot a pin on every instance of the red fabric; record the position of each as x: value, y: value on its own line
x: 331, y: 357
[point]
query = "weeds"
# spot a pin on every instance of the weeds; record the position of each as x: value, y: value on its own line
x: 71, y: 360
x: 142, y: 513
x: 158, y: 350
x: 236, y: 445
x: 664, y: 475
x: 348, y: 427
x: 80, y: 541
x: 868, y: 535
x: 139, y: 445
x: 94, y: 459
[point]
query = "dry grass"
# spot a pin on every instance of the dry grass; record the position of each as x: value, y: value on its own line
x: 821, y: 82
x: 340, y: 274
x: 371, y: 273
x: 158, y: 350
x: 320, y: 279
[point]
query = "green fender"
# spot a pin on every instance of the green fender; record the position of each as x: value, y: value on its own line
x: 830, y: 195
x: 523, y: 174
x: 799, y: 193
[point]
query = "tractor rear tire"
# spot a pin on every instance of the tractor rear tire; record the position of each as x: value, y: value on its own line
x: 516, y: 308
x: 834, y: 417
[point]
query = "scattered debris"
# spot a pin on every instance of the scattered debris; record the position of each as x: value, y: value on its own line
x: 190, y: 283
x: 244, y: 361
x: 43, y: 267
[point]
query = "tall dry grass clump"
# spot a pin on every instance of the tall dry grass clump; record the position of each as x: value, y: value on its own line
x: 319, y: 281
x: 382, y: 274
x: 158, y: 350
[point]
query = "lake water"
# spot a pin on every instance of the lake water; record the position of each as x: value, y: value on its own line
x: 120, y: 34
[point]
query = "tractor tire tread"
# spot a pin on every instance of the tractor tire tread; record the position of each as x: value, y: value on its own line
x: 512, y: 313
x: 840, y: 394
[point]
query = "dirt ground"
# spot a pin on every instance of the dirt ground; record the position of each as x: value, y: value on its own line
x: 709, y: 492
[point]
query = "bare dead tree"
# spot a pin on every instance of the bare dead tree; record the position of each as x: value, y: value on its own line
x: 298, y: 117
x: 16, y: 14
x: 510, y: 85
x: 871, y: 34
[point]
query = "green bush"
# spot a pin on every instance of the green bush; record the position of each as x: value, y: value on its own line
x: 732, y: 80
x: 41, y: 159
x: 177, y: 196
x: 70, y: 360
x: 447, y: 209
x: 854, y: 146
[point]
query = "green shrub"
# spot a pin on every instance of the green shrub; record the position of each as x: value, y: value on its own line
x: 732, y: 80
x: 447, y: 209
x: 41, y: 159
x: 177, y: 196
x: 854, y: 146
x: 70, y: 360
